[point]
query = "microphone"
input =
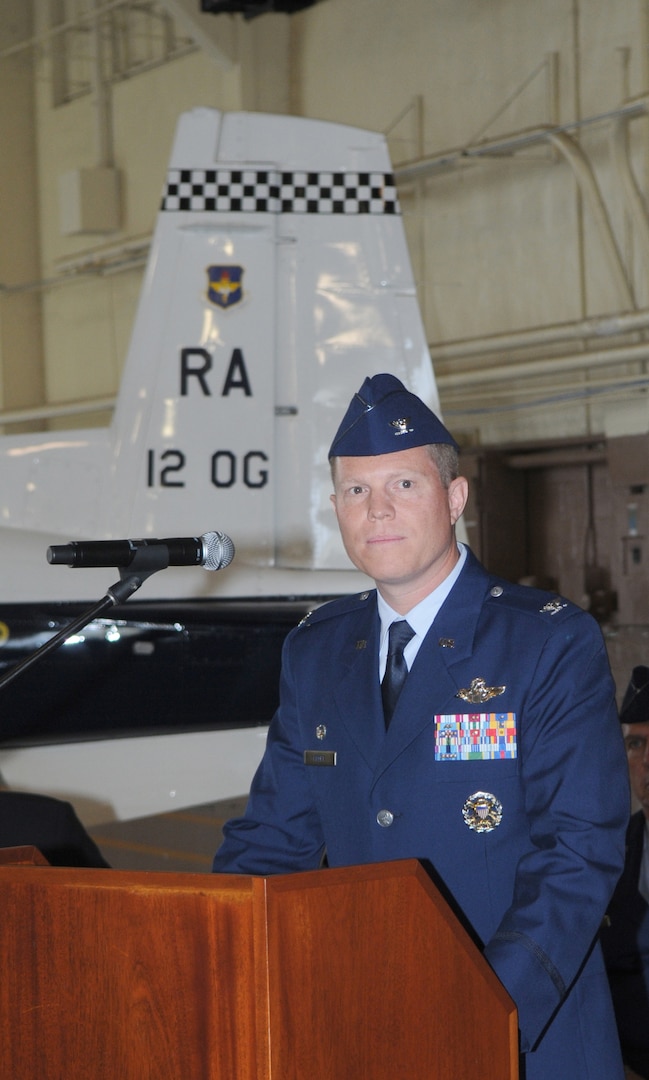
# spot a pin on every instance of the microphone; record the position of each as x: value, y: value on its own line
x: 213, y: 551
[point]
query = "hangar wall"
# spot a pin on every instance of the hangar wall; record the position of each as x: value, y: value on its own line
x: 518, y: 133
x: 523, y: 218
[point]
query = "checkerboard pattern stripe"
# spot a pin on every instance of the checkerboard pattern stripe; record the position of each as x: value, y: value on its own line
x: 475, y: 736
x: 271, y: 191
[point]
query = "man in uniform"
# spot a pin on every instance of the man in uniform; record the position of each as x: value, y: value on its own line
x: 625, y: 937
x: 498, y: 760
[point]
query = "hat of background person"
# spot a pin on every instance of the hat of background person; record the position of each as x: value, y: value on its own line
x: 384, y: 417
x: 635, y: 706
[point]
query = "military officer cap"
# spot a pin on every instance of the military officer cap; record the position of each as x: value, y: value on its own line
x: 384, y: 417
x: 635, y: 706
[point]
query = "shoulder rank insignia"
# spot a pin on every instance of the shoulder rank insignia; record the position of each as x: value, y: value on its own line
x: 479, y: 692
x: 553, y: 606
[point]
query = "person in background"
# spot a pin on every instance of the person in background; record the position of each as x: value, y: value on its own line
x: 625, y: 935
x: 49, y: 824
x: 456, y: 718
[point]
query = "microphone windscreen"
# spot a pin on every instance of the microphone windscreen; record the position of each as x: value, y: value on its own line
x: 218, y: 550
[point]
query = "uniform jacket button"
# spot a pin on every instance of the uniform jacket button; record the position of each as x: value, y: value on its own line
x: 385, y: 818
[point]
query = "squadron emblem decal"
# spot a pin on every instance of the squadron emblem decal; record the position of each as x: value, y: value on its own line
x: 482, y: 812
x: 224, y: 286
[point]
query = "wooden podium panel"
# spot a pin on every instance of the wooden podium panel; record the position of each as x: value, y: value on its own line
x: 126, y: 976
x: 373, y: 978
x: 344, y: 974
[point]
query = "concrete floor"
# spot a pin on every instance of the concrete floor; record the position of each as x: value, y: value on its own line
x: 184, y: 840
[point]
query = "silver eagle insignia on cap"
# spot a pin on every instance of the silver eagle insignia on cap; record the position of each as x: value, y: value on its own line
x: 479, y: 692
x: 401, y: 426
x: 482, y: 812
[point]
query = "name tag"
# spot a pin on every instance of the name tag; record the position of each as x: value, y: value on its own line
x: 319, y: 757
x: 475, y: 736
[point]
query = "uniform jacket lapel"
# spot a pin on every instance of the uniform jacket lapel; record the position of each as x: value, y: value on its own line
x: 357, y: 691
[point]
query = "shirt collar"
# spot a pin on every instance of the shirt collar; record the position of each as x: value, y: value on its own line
x: 421, y: 617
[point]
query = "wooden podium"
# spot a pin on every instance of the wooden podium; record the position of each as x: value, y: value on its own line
x: 360, y: 973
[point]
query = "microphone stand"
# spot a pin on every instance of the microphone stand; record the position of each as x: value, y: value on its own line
x: 146, y: 561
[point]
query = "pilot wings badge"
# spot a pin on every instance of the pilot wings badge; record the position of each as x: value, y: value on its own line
x: 478, y: 692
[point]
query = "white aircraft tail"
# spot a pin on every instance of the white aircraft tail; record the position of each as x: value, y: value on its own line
x: 278, y: 278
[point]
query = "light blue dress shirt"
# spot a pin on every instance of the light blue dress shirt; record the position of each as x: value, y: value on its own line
x: 420, y: 618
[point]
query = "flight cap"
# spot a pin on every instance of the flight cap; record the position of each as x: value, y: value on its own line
x: 384, y: 417
x: 635, y: 706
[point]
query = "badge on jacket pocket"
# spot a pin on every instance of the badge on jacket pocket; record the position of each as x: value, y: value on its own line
x: 482, y: 812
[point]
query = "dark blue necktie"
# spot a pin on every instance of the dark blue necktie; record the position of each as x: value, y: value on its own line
x: 396, y: 669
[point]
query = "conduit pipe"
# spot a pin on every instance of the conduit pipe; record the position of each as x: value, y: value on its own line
x: 630, y: 354
x: 598, y: 326
x: 521, y: 391
x: 50, y: 412
x: 102, y: 97
x: 628, y: 183
x: 585, y: 177
x: 465, y: 402
x: 505, y: 145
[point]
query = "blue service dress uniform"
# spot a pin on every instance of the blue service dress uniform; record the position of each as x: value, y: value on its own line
x: 625, y: 940
x: 551, y: 785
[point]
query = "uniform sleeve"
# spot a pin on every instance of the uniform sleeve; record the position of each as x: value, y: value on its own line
x: 280, y: 831
x: 575, y: 777
x: 73, y: 846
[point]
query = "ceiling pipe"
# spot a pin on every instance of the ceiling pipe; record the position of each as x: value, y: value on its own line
x: 629, y: 354
x: 51, y: 412
x: 595, y: 327
x: 506, y: 145
x: 612, y: 384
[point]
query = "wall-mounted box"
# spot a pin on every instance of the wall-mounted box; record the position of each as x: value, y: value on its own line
x: 89, y: 201
x: 628, y: 459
